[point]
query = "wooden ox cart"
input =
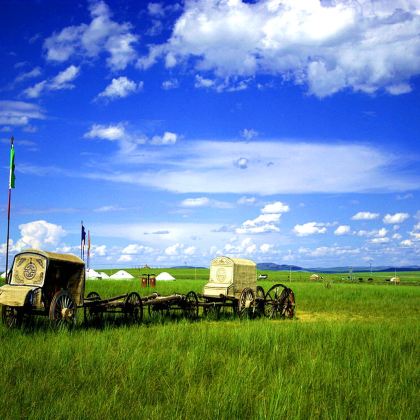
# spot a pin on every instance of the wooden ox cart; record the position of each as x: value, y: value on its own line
x: 52, y: 285
x: 233, y: 287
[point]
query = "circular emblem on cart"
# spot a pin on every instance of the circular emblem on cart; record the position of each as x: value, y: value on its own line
x: 221, y: 275
x: 29, y: 271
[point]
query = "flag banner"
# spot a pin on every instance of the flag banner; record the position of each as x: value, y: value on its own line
x: 88, y: 243
x: 12, y: 167
x: 83, y: 235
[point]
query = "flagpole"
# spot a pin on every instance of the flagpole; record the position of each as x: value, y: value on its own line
x: 8, y: 210
x: 8, y: 231
x: 81, y: 240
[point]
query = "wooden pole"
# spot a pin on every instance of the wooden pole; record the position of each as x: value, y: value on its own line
x: 8, y: 232
x: 8, y: 214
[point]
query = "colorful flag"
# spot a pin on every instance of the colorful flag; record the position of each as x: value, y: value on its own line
x: 88, y: 243
x: 12, y: 166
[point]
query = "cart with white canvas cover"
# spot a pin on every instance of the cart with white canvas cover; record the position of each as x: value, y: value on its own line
x: 233, y: 286
x: 52, y: 284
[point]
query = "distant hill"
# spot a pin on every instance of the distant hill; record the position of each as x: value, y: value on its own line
x: 278, y: 267
x: 185, y: 266
x: 360, y: 269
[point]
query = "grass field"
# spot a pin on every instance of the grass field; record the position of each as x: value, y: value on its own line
x: 352, y: 352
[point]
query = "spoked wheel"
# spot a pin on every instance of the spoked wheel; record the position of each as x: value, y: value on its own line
x: 279, y: 302
x: 11, y: 317
x: 190, y: 305
x: 133, y: 307
x: 212, y: 311
x: 63, y: 310
x: 246, y: 304
x: 158, y: 312
x: 260, y: 301
x: 93, y: 313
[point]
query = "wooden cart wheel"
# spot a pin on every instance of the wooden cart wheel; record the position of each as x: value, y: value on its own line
x: 246, y: 303
x: 94, y: 313
x: 158, y: 312
x: 190, y: 307
x: 11, y: 317
x: 279, y: 302
x: 63, y: 310
x: 212, y: 312
x: 93, y: 296
x: 260, y: 301
x: 287, y: 303
x: 133, y: 307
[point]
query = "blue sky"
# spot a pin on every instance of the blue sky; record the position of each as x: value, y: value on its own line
x: 279, y: 131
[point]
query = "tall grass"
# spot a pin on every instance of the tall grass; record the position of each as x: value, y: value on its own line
x: 352, y: 352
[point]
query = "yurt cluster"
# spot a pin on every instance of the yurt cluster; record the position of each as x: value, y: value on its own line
x: 91, y: 274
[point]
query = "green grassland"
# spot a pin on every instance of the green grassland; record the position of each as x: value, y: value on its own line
x: 351, y: 352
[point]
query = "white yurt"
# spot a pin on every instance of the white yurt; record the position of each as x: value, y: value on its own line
x: 164, y: 276
x: 3, y: 275
x: 395, y: 280
x: 91, y: 274
x: 104, y: 275
x: 121, y: 275
x: 314, y: 277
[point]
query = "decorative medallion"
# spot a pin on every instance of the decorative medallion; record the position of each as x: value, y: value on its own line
x: 29, y: 271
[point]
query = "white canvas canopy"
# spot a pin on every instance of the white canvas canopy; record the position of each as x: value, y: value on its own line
x: 164, y: 276
x: 91, y: 274
x: 121, y: 275
x: 104, y: 275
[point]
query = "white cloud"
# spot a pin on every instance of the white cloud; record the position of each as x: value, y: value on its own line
x: 381, y: 233
x: 407, y: 243
x: 166, y: 139
x: 205, y: 202
x: 379, y: 240
x: 39, y: 234
x: 120, y: 88
x: 249, y: 133
x: 35, y: 72
x: 60, y: 82
x: 19, y: 113
x: 365, y: 215
x: 201, y: 82
x: 247, y: 200
x: 241, y: 163
x: 191, y: 250
x: 265, y: 248
x: 276, y: 207
x: 199, y: 166
x: 125, y: 258
x: 174, y: 249
x: 310, y: 228
x: 155, y: 9
x: 110, y: 132
x: 245, y: 246
x: 63, y: 79
x: 342, y: 230
x: 196, y: 202
x: 102, y: 34
x: 329, y: 46
x: 134, y: 249
x: 170, y: 84
x: 395, y: 218
x: 267, y: 221
x: 323, y: 251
